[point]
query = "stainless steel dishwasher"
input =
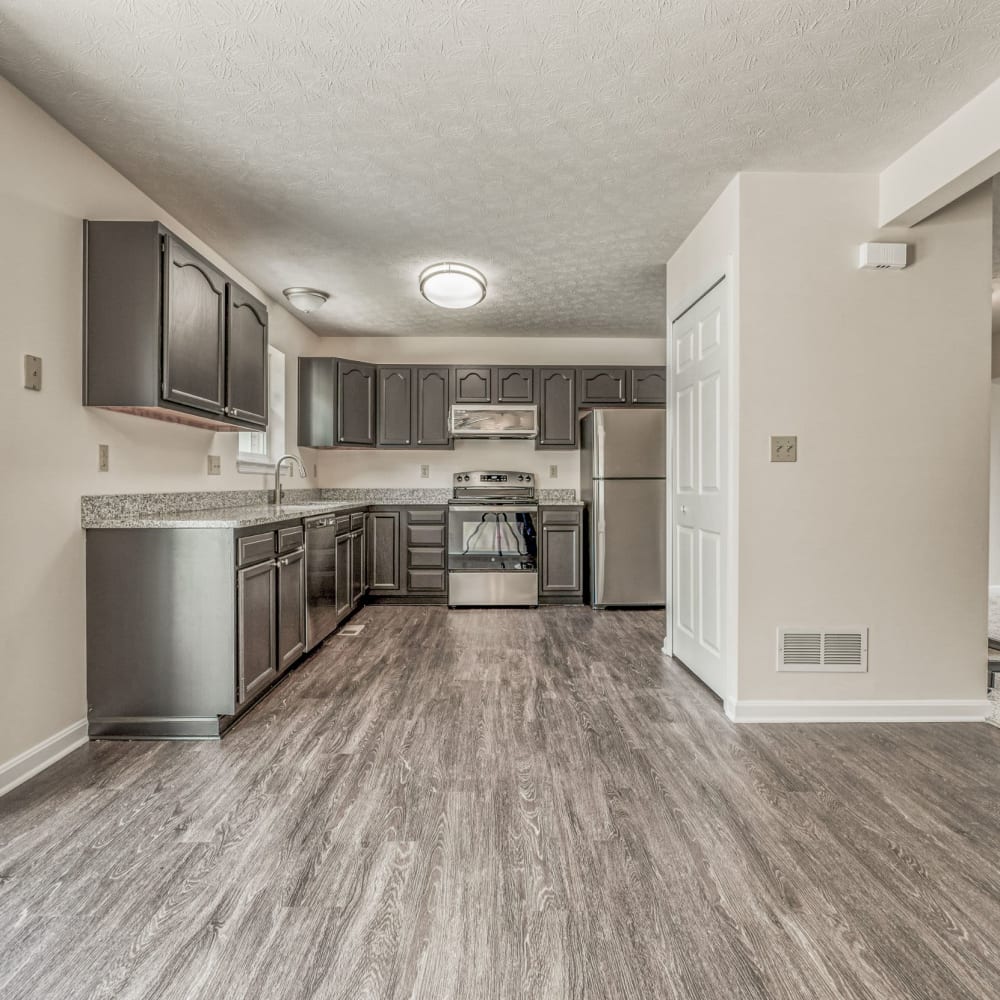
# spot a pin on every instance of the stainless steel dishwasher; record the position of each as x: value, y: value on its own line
x: 321, y: 578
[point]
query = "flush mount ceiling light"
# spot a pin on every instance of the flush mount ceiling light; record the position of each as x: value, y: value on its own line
x: 452, y: 286
x: 305, y: 299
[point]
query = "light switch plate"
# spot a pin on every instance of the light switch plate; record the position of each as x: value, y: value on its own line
x: 103, y: 461
x: 425, y: 472
x: 214, y: 465
x: 553, y: 472
x: 32, y: 372
x: 784, y: 448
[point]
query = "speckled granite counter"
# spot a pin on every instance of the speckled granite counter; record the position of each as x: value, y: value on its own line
x: 247, y: 508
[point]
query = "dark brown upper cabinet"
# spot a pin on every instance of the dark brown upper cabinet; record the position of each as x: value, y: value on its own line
x: 515, y: 385
x: 246, y: 357
x: 167, y: 334
x: 430, y: 408
x: 355, y: 403
x: 603, y: 386
x: 557, y: 414
x: 474, y: 385
x: 395, y: 406
x: 647, y: 386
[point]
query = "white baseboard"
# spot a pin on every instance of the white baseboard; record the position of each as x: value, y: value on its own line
x: 37, y: 758
x: 973, y: 710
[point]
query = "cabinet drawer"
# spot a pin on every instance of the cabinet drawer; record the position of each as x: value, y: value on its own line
x: 431, y: 516
x: 255, y: 548
x: 566, y: 515
x: 343, y: 524
x: 357, y: 521
x: 425, y: 534
x: 429, y: 558
x: 426, y: 580
x: 290, y: 538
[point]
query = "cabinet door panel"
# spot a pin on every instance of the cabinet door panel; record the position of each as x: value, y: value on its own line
x: 603, y: 386
x: 561, y: 559
x: 648, y: 386
x: 426, y: 581
x: 357, y: 567
x: 557, y: 408
x: 384, y: 552
x: 394, y: 407
x: 344, y: 574
x: 256, y: 652
x: 246, y: 357
x: 431, y: 408
x: 474, y: 385
x: 355, y: 403
x: 515, y: 385
x: 194, y: 330
x: 291, y: 608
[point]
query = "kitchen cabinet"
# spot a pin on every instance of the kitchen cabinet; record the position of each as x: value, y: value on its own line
x: 603, y: 386
x: 167, y: 334
x: 515, y: 385
x: 291, y: 613
x: 395, y: 406
x: 557, y: 414
x: 430, y: 408
x: 561, y: 555
x: 473, y: 385
x: 246, y: 357
x: 358, y: 582
x: 255, y: 627
x: 426, y: 551
x: 344, y: 576
x: 648, y: 386
x: 355, y: 403
x: 336, y: 403
x: 384, y: 550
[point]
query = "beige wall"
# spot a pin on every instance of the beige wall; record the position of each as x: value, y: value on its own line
x: 50, y: 182
x: 885, y: 378
x: 402, y: 469
x: 995, y: 485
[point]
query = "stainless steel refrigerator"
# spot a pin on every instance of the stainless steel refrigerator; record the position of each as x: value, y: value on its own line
x: 623, y: 484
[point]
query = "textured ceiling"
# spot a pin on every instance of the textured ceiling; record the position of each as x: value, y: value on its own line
x: 564, y: 147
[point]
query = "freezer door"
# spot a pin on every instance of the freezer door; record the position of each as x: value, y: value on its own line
x: 628, y: 543
x: 628, y: 444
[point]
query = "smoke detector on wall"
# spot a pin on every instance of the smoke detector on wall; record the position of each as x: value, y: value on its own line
x: 883, y: 256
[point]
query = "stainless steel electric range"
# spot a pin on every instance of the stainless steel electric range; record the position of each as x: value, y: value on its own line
x: 493, y: 540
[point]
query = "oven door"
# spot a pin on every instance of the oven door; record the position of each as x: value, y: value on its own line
x: 486, y: 538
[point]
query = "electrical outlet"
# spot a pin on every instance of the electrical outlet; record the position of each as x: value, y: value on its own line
x: 314, y: 470
x: 32, y: 372
x: 214, y: 465
x: 553, y: 472
x: 784, y: 448
x: 103, y: 458
x: 425, y: 472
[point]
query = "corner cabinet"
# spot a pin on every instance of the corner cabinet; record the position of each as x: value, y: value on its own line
x: 336, y: 403
x: 167, y: 334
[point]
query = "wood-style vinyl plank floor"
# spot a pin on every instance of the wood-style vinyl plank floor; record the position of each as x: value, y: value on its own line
x: 507, y: 804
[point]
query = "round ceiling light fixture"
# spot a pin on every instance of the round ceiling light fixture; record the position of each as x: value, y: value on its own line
x: 453, y: 286
x: 306, y: 300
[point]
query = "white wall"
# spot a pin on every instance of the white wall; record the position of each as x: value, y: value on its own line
x: 885, y: 378
x: 995, y: 485
x: 50, y: 182
x: 402, y: 468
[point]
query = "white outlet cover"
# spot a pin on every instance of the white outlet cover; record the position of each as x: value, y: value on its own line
x: 553, y: 472
x: 425, y: 472
x: 103, y: 458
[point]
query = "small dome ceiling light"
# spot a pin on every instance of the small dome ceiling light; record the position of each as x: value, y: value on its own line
x: 306, y: 300
x: 453, y: 286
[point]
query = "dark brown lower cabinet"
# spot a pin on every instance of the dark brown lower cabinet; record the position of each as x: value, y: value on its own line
x: 561, y: 555
x: 344, y: 575
x: 291, y: 608
x: 384, y: 564
x: 256, y: 629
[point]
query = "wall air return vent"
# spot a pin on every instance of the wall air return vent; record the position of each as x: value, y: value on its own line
x: 842, y: 650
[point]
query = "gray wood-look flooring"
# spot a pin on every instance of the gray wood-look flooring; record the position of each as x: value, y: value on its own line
x: 506, y: 804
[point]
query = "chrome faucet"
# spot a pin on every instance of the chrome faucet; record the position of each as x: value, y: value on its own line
x: 278, y: 491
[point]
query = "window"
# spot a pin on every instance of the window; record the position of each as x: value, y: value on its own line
x: 259, y: 450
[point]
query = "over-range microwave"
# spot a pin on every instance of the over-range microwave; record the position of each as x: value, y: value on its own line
x: 485, y: 421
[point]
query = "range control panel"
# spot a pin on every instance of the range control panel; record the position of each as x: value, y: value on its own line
x: 494, y: 478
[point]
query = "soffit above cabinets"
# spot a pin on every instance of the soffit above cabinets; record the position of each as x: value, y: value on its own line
x: 563, y: 148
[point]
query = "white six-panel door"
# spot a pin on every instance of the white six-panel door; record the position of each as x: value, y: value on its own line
x: 700, y: 489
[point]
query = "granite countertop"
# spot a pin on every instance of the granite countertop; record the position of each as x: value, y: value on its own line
x: 224, y: 517
x: 247, y: 509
